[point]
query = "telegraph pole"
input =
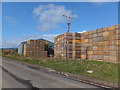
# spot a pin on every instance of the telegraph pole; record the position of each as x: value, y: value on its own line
x: 68, y: 30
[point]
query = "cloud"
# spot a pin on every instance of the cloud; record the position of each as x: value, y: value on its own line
x: 82, y: 31
x: 11, y: 20
x: 49, y: 16
x: 14, y: 42
x: 11, y: 43
x: 49, y: 37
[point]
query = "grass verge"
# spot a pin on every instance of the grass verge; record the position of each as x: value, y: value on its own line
x: 104, y: 71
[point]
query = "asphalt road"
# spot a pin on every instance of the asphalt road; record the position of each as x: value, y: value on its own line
x: 17, y: 75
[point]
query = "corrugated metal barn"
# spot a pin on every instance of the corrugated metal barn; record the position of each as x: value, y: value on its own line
x: 36, y: 48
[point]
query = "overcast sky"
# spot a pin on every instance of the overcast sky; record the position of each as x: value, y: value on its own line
x: 35, y: 20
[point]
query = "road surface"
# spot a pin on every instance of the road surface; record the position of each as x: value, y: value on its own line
x: 17, y: 75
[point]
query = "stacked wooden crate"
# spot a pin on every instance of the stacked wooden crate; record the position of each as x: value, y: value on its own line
x: 84, y: 44
x: 118, y: 42
x: 76, y: 45
x: 35, y: 48
x: 59, y: 46
x: 67, y: 45
x: 101, y: 44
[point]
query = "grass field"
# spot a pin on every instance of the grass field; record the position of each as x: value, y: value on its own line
x: 104, y: 71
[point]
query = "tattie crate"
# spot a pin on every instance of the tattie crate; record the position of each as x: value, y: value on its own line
x: 94, y: 47
x: 105, y: 33
x: 86, y: 40
x: 94, y: 57
x: 86, y: 36
x: 106, y: 52
x: 118, y: 42
x: 90, y: 57
x: 112, y: 42
x: 90, y: 44
x: 118, y: 31
x: 119, y: 36
x: 100, y: 44
x: 112, y: 47
x: 117, y: 47
x: 99, y: 48
x: 90, y: 32
x: 85, y: 33
x: 106, y: 57
x: 106, y: 48
x: 94, y: 35
x: 106, y: 43
x: 83, y: 52
x: 109, y: 28
x: 100, y: 52
x: 112, y: 58
x: 83, y: 56
x: 94, y: 52
x: 99, y: 39
x: 90, y: 52
x: 113, y: 32
x: 100, y: 57
x: 106, y: 29
x: 118, y: 57
x: 99, y: 30
x: 94, y: 43
x: 82, y: 38
x: 105, y: 38
x: 100, y: 34
x: 112, y: 37
x: 113, y: 27
x: 90, y: 36
x: 90, y: 48
x: 95, y: 31
x: 113, y: 53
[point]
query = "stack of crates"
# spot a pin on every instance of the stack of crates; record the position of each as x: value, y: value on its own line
x: 101, y: 44
x: 35, y: 48
x: 68, y: 45
x: 60, y: 46
x: 76, y: 45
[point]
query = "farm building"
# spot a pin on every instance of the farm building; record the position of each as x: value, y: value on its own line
x: 36, y: 48
x: 21, y: 48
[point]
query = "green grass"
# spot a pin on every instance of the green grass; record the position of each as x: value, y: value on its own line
x: 104, y: 71
x: 0, y: 53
